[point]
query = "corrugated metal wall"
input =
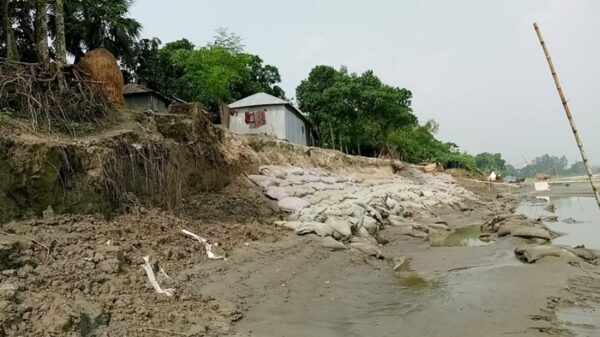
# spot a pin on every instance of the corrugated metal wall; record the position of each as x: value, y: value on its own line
x: 295, y: 129
x: 281, y: 122
x: 145, y: 102
x: 275, y: 121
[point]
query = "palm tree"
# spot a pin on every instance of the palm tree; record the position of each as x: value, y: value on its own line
x: 93, y: 24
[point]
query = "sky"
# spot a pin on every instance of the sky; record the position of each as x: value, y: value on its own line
x: 474, y: 66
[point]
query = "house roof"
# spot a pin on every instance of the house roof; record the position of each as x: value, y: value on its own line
x: 258, y: 99
x: 136, y: 89
x: 262, y: 99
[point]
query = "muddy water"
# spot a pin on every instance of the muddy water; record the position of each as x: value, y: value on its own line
x: 444, y: 291
x: 465, y: 236
x: 578, y: 218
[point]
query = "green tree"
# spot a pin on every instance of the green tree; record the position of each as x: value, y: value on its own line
x: 352, y: 111
x: 219, y: 72
x: 91, y: 24
x: 490, y: 162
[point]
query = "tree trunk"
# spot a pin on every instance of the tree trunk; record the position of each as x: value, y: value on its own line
x: 41, y: 31
x: 12, y: 52
x: 332, y: 137
x: 61, y: 50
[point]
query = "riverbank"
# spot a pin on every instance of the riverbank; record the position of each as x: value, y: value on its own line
x: 403, y: 257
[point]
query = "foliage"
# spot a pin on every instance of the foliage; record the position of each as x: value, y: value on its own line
x: 545, y: 164
x: 418, y: 144
x: 490, y: 162
x: 553, y: 165
x: 353, y: 111
x: 217, y: 72
x: 89, y: 24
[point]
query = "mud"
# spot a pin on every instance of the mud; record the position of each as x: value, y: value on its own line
x: 82, y: 275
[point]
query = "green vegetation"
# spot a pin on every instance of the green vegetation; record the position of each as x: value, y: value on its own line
x: 359, y: 114
x: 552, y: 165
x: 218, y: 72
x: 88, y: 24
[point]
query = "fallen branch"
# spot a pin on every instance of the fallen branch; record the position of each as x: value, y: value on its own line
x: 207, y: 246
x: 30, y: 239
x: 152, y: 278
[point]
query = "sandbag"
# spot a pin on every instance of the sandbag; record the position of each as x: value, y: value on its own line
x: 342, y: 226
x: 277, y: 192
x: 292, y: 204
x: 370, y: 224
x: 532, y: 253
x: 272, y: 171
x: 293, y: 170
x: 263, y: 181
x: 331, y: 243
x: 367, y: 248
x: 317, y: 228
x: 293, y: 225
x: 531, y: 233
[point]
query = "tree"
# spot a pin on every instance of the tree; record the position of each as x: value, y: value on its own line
x: 41, y: 31
x: 93, y: 24
x: 216, y: 73
x: 228, y: 40
x: 488, y: 162
x: 358, y: 112
x: 545, y: 164
x: 12, y: 53
x: 59, y: 39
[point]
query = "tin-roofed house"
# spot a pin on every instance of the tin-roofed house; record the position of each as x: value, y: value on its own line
x: 264, y: 113
x: 140, y: 98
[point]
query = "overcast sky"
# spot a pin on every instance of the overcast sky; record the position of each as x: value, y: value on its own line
x: 474, y: 66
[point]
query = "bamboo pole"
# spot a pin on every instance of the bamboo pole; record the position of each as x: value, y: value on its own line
x: 586, y: 163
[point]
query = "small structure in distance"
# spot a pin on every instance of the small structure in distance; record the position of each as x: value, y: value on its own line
x: 264, y: 113
x: 140, y: 98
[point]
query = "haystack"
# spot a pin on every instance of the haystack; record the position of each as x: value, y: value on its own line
x: 101, y: 67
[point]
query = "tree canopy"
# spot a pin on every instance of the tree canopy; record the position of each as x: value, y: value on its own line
x: 355, y: 112
x: 217, y: 72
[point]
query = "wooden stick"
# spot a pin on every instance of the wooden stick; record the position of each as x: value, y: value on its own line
x: 168, y: 331
x: 586, y: 163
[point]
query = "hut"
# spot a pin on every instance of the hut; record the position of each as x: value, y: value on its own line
x: 140, y: 98
x: 264, y: 113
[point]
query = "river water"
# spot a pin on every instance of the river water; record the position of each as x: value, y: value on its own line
x: 578, y: 218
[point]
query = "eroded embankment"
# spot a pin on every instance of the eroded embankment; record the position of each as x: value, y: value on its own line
x: 150, y: 161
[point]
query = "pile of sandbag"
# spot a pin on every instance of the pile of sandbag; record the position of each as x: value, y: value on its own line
x: 352, y: 210
x: 518, y: 225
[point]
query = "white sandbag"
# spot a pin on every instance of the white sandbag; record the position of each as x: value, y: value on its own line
x: 292, y: 204
x: 293, y: 170
x: 370, y: 224
x: 331, y: 243
x: 272, y: 171
x: 531, y: 233
x: 317, y: 228
x: 532, y: 253
x: 277, y: 192
x: 367, y: 248
x: 263, y: 181
x: 342, y: 226
x: 293, y: 225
